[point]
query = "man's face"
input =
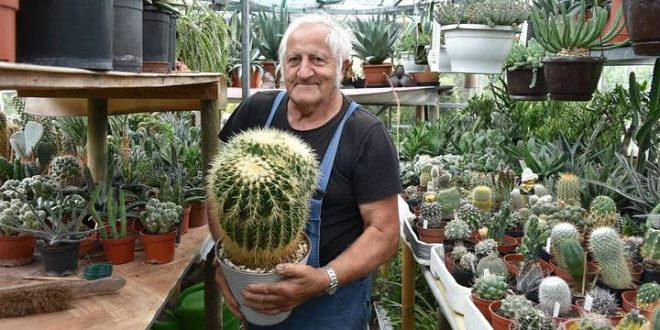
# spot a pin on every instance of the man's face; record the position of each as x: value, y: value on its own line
x: 310, y: 70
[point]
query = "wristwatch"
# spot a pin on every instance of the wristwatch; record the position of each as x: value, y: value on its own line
x: 334, y: 282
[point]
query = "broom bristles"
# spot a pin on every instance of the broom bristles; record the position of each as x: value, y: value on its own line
x: 35, y: 301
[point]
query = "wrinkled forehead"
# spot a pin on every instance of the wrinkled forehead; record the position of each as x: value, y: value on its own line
x: 309, y: 34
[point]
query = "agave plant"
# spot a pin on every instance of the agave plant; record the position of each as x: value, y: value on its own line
x: 375, y: 38
x: 271, y: 30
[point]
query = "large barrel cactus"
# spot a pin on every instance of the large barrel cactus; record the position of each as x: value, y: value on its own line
x: 262, y: 182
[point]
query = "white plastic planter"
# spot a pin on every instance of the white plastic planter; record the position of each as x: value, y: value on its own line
x: 457, y: 295
x: 408, y: 62
x: 421, y: 251
x: 438, y: 58
x: 475, y: 48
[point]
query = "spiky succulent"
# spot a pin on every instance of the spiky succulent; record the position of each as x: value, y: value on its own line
x: 560, y: 234
x: 494, y: 264
x: 529, y: 278
x: 554, y: 290
x: 568, y: 188
x: 633, y: 320
x: 534, y: 239
x: 485, y: 247
x: 432, y: 213
x: 650, y: 251
x: 471, y: 215
x: 482, y: 198
x: 648, y: 295
x: 468, y: 262
x: 262, y: 184
x: 571, y: 214
x: 545, y: 207
x: 38, y: 186
x: 458, y: 252
x: 450, y: 200
x: 602, y: 212
x: 610, y: 255
x: 160, y: 217
x: 519, y: 218
x: 603, y: 301
x: 457, y: 230
x: 66, y: 171
x: 512, y: 304
x: 15, y: 215
x: 593, y: 321
x: 490, y: 287
x: 532, y: 319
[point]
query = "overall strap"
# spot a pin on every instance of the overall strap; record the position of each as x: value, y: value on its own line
x: 273, y: 110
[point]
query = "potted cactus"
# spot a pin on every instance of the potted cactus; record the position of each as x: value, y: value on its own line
x: 160, y: 220
x: 555, y: 290
x: 486, y: 290
x: 529, y: 318
x: 16, y: 248
x: 259, y: 190
x: 650, y: 252
x: 591, y: 321
x: 571, y: 74
x: 456, y: 232
x: 479, y: 34
x: 118, y: 242
x: 524, y: 72
x: 646, y: 299
x: 430, y: 227
x: 603, y: 303
x: 66, y: 171
x: 613, y: 262
x: 502, y: 312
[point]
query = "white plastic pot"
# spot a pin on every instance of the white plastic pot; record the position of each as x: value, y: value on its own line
x: 438, y: 58
x: 476, y: 48
x: 408, y: 62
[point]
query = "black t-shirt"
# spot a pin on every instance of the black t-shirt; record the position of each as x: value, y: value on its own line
x: 366, y: 167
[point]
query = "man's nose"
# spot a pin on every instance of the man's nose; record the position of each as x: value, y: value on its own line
x: 305, y: 70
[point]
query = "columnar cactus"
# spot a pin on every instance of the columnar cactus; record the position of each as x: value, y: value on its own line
x: 494, y: 264
x: 66, y: 171
x: 604, y: 302
x: 485, y: 247
x: 432, y: 213
x: 512, y: 304
x: 603, y: 213
x: 490, y: 287
x: 609, y: 252
x: 560, y: 234
x: 482, y: 198
x: 554, y: 290
x: 457, y: 230
x: 450, y: 200
x: 471, y: 215
x: 568, y: 188
x: 425, y: 175
x: 160, y: 217
x: 648, y: 295
x: 532, y: 319
x: 650, y: 251
x: 517, y: 200
x: 593, y: 321
x: 262, y: 184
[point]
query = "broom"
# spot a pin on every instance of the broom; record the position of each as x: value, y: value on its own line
x: 46, y: 297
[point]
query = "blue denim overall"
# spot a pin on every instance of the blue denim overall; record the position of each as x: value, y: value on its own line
x: 349, y: 307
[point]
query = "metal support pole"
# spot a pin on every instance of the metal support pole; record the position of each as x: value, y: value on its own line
x: 245, y: 58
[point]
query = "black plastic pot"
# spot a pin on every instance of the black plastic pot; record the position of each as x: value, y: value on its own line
x: 650, y: 275
x: 127, y: 36
x: 462, y: 277
x: 643, y: 26
x: 155, y: 40
x: 72, y: 33
x: 544, y: 255
x: 518, y: 82
x: 572, y: 78
x: 172, y: 41
x: 61, y: 259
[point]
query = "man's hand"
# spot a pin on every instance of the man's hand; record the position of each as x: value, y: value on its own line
x: 302, y: 283
x: 226, y: 291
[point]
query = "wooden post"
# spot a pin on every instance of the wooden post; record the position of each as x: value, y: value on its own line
x: 209, y: 134
x: 419, y: 113
x: 97, y: 132
x: 408, y: 289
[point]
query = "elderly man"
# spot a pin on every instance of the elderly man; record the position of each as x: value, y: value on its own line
x: 353, y: 226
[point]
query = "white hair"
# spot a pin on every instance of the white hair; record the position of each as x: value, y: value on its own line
x: 339, y: 40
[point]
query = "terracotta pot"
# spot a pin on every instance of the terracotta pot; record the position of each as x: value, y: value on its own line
x: 16, y: 250
x: 87, y: 244
x: 255, y: 78
x: 185, y: 219
x: 198, y: 215
x: 159, y: 248
x: 507, y: 245
x: 8, y: 9
x: 119, y: 251
x: 483, y: 305
x: 518, y: 82
x: 614, y: 318
x: 629, y: 299
x: 512, y: 262
x: 573, y: 313
x: 270, y: 67
x: 592, y: 270
x: 376, y: 74
x: 427, y: 77
x: 643, y: 26
x: 430, y: 235
x: 497, y: 321
x: 572, y: 78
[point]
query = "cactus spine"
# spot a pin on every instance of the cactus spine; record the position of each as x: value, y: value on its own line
x: 609, y: 252
x: 603, y: 213
x: 554, y: 289
x: 450, y: 200
x: 66, y: 171
x: 262, y: 184
x: 512, y: 304
x: 490, y: 287
x: 482, y: 198
x: 648, y: 295
x: 532, y: 319
x: 568, y: 188
x: 560, y: 234
x: 432, y: 213
x: 457, y: 230
x: 650, y: 251
x: 471, y: 215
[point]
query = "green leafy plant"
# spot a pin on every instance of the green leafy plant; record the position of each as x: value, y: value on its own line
x: 203, y: 40
x: 526, y: 57
x: 375, y: 38
x: 271, y: 27
x: 489, y: 12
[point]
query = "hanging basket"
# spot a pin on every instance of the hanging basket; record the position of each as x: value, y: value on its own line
x: 477, y: 48
x: 643, y: 26
x: 518, y: 82
x: 572, y: 78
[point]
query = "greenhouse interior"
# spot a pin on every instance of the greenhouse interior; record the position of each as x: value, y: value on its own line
x: 330, y: 164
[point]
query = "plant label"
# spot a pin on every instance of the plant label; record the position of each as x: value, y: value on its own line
x: 486, y: 272
x: 547, y: 244
x: 588, y: 303
x: 425, y: 224
x: 555, y: 311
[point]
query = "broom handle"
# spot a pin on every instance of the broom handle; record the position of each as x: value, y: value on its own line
x: 77, y: 288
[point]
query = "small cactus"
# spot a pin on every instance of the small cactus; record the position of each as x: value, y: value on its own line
x: 529, y: 278
x: 458, y: 252
x: 469, y: 262
x: 593, y: 321
x: 512, y: 304
x: 490, y: 287
x: 517, y: 200
x: 494, y: 264
x: 485, y: 247
x: 532, y: 319
x: 432, y: 213
x: 609, y: 253
x: 560, y: 234
x: 568, y: 188
x: 648, y: 295
x: 540, y: 190
x: 160, y: 217
x: 457, y: 230
x: 66, y: 171
x: 554, y: 289
x: 450, y: 200
x: 482, y: 198
x: 603, y: 213
x: 633, y: 320
x: 471, y: 215
x: 425, y: 175
x: 604, y: 302
x: 650, y: 251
